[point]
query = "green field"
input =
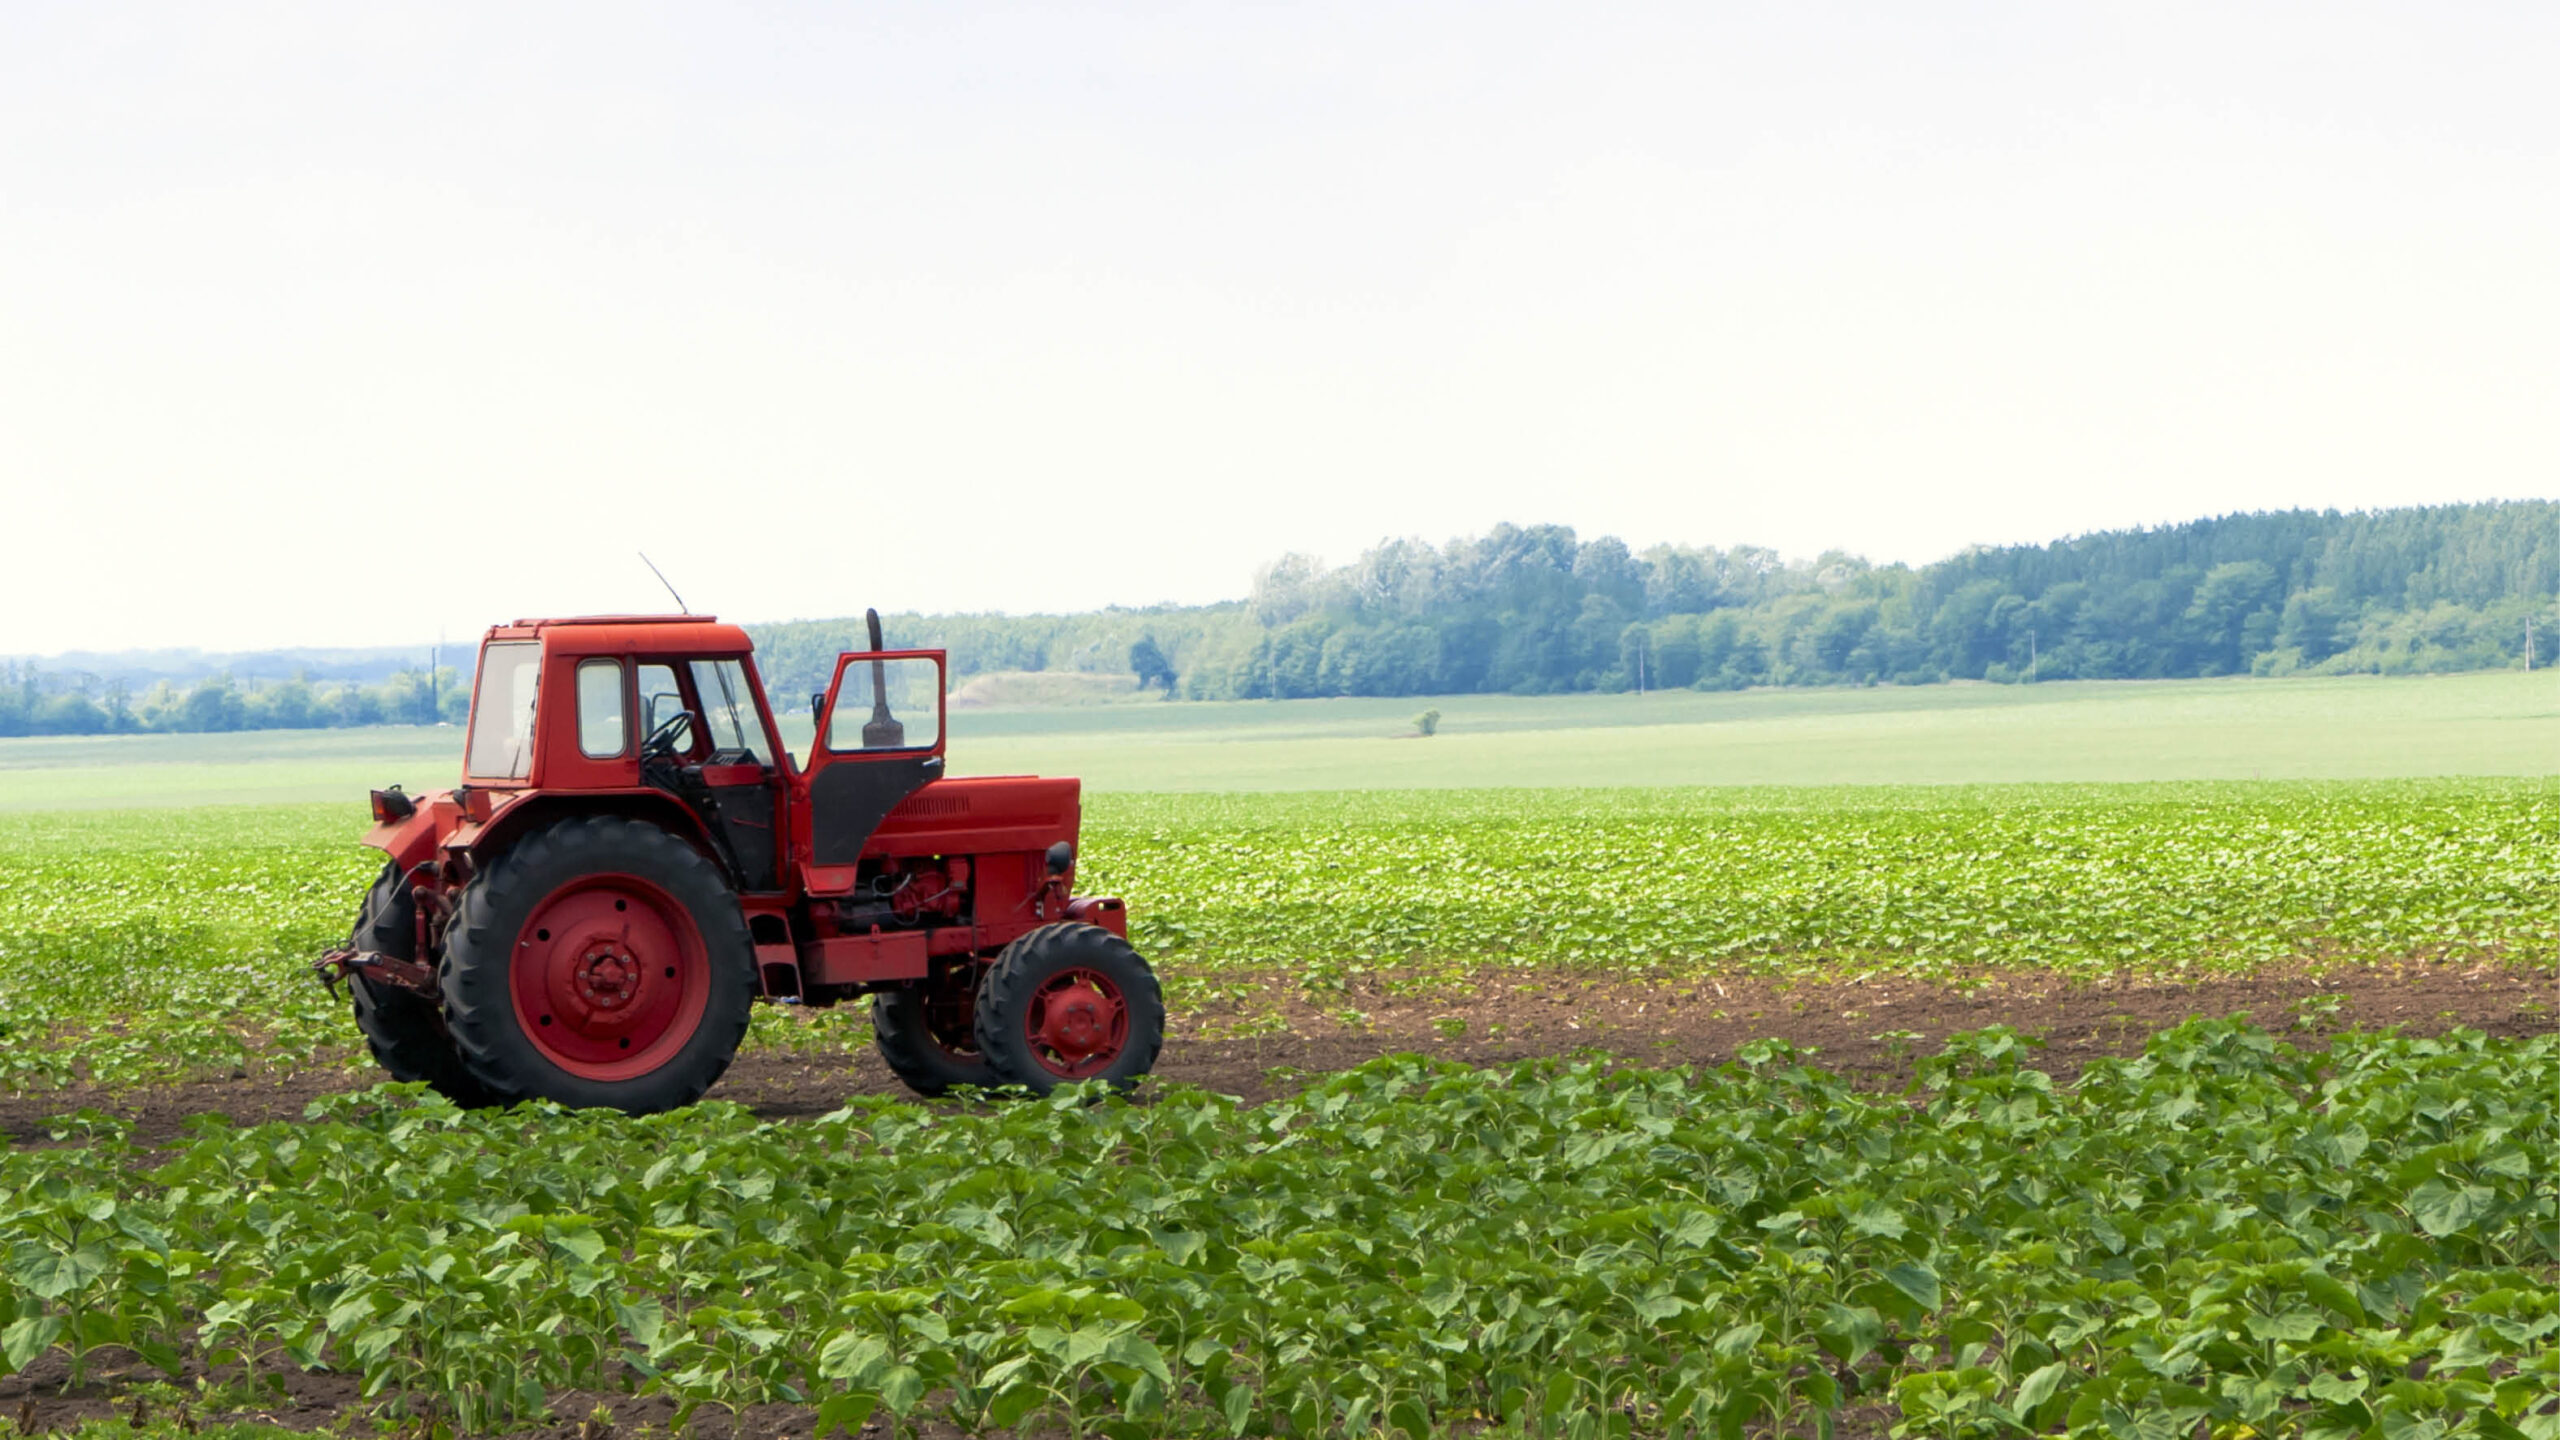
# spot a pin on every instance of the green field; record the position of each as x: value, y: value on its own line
x: 146, y: 943
x: 2327, y: 728
x: 2224, y: 1234
x: 2224, y: 1237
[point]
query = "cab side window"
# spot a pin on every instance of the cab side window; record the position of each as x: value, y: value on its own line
x: 656, y: 681
x: 887, y: 705
x: 729, y: 708
x: 604, y: 725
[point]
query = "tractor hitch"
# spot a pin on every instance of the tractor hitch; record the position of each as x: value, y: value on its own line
x: 382, y: 969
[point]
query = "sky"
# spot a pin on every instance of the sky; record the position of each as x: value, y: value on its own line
x: 330, y: 325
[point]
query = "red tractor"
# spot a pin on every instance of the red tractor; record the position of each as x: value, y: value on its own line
x: 633, y: 858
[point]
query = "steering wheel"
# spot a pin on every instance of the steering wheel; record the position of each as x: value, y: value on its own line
x: 662, y: 741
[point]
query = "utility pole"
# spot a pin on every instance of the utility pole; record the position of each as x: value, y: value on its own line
x: 2031, y: 654
x: 435, y: 665
x: 2528, y: 642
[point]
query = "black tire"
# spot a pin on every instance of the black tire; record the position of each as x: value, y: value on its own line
x: 405, y: 1031
x: 491, y: 926
x: 928, y: 1032
x: 1007, y: 997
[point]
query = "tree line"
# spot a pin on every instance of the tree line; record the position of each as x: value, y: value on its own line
x: 1537, y: 609
x: 35, y: 701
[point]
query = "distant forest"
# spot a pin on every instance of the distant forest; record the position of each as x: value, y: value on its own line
x: 1539, y: 610
x: 36, y: 701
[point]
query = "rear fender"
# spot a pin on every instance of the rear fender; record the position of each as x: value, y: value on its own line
x: 413, y: 841
x: 513, y: 822
x: 1103, y: 910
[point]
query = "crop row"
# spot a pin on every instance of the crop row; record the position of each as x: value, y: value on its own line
x: 2085, y: 878
x: 2225, y: 1231
x: 140, y: 944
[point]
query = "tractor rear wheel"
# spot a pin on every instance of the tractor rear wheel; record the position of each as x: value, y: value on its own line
x: 1070, y: 1002
x: 601, y: 962
x: 929, y: 1034
x: 403, y: 1029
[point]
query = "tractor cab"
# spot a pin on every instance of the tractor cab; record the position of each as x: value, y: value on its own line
x: 634, y: 847
x: 674, y: 707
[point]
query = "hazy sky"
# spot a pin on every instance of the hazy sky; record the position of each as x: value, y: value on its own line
x: 337, y: 323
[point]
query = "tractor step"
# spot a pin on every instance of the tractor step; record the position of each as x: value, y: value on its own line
x: 382, y: 969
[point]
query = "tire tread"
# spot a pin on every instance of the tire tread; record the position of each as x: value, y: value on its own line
x: 479, y: 1004
x: 1032, y: 958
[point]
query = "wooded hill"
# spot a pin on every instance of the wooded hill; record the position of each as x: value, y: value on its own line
x: 1537, y: 609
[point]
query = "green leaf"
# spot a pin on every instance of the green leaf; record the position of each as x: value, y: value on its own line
x: 1441, y: 1293
x: 1181, y: 1246
x: 1739, y: 1339
x: 28, y: 1337
x: 2329, y: 1291
x: 846, y: 1411
x: 1850, y: 1332
x: 2442, y: 1209
x: 2468, y: 1349
x: 2337, y: 1389
x: 1084, y: 1346
x: 1239, y: 1408
x: 2296, y: 1326
x: 1655, y: 1309
x: 855, y: 1358
x: 1010, y: 1404
x: 2039, y: 1387
x: 353, y: 1308
x: 1877, y: 1218
x: 901, y: 1388
x: 1141, y: 1354
x: 581, y: 1242
x: 52, y: 1274
x: 1917, y: 1281
x: 642, y: 1322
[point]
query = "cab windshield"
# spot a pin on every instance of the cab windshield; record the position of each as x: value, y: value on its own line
x: 502, y: 711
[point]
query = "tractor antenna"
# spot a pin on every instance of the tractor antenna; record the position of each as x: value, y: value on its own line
x: 681, y: 607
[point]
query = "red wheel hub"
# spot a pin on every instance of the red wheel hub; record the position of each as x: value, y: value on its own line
x: 1077, y: 1023
x: 610, y: 977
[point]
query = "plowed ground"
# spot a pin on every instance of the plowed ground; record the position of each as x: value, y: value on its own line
x: 1868, y: 1029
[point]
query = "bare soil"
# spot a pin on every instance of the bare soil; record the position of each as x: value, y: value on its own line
x: 1867, y: 1030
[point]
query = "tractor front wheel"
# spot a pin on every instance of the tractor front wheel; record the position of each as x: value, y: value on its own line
x: 601, y: 962
x: 929, y: 1032
x: 1070, y: 1002
x: 403, y: 1029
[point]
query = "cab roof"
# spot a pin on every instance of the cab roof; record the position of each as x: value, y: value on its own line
x: 631, y: 634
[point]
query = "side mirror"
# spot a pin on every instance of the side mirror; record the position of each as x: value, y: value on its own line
x: 817, y: 708
x: 658, y: 703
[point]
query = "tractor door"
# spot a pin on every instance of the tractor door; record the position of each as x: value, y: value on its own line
x: 723, y: 765
x: 879, y: 740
